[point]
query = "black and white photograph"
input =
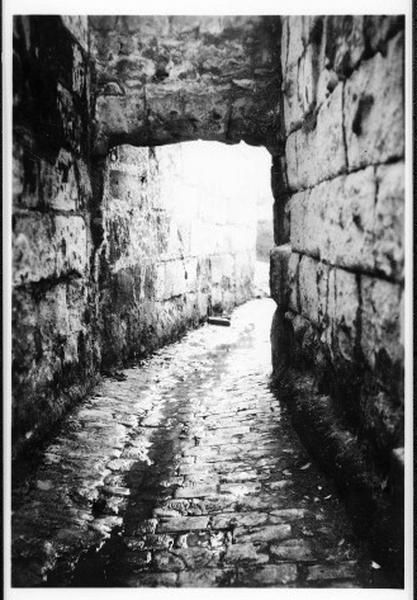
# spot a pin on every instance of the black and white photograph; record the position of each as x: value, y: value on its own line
x: 207, y: 299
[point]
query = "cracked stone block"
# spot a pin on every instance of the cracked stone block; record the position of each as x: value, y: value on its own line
x: 374, y: 108
x: 336, y: 221
x: 317, y: 153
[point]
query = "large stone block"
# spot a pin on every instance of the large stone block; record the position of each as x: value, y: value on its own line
x: 353, y: 221
x: 45, y: 246
x: 389, y: 220
x: 171, y: 280
x: 381, y: 320
x: 279, y: 284
x: 335, y: 220
x: 374, y: 108
x: 312, y: 289
x: 343, y: 313
x: 318, y: 154
x: 59, y: 186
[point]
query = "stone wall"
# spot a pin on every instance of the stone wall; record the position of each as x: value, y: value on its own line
x: 179, y: 242
x: 106, y: 264
x: 54, y: 352
x: 337, y: 270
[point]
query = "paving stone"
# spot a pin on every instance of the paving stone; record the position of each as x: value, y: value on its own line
x: 166, y: 561
x: 195, y: 491
x: 249, y: 519
x: 196, y: 558
x: 276, y: 574
x: 153, y: 580
x: 293, y: 550
x: 186, y: 515
x: 324, y: 572
x: 287, y: 514
x: 267, y: 533
x: 237, y: 553
x: 184, y: 524
x: 239, y: 489
x: 203, y: 578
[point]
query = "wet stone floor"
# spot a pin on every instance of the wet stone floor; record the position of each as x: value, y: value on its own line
x: 185, y: 472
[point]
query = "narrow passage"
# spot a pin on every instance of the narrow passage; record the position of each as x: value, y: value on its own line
x: 185, y: 471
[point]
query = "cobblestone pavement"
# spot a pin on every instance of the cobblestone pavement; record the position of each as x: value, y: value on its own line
x: 185, y: 471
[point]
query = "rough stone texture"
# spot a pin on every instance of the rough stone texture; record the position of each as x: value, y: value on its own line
x: 91, y: 515
x: 374, y: 108
x: 105, y: 268
x: 164, y: 79
x: 177, y: 245
x: 336, y: 132
x: 54, y: 352
x: 315, y: 154
x: 339, y: 293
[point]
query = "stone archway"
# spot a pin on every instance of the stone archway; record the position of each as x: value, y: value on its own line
x: 325, y: 95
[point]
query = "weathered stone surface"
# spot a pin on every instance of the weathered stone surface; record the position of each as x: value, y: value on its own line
x: 345, y: 42
x: 279, y: 257
x: 344, y: 222
x: 374, y: 108
x: 169, y: 84
x: 293, y: 550
x: 381, y: 319
x: 276, y: 574
x: 75, y: 503
x: 244, y: 553
x: 318, y: 153
x: 184, y: 524
x: 203, y: 578
x: 379, y: 29
x: 268, y: 533
x: 325, y: 572
x: 46, y: 247
x: 343, y: 309
x: 389, y: 221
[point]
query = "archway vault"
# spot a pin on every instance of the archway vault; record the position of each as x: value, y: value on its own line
x: 166, y: 79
